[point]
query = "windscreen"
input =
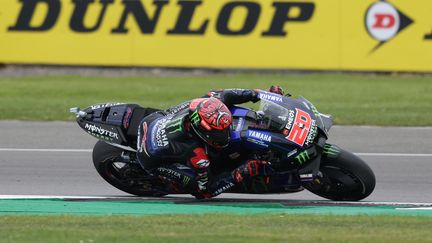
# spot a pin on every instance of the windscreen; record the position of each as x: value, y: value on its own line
x: 273, y: 115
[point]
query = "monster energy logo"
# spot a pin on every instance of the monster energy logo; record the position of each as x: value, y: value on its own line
x: 185, y: 180
x: 302, y: 157
x: 314, y: 110
x: 195, y: 117
x: 331, y: 150
x: 176, y: 123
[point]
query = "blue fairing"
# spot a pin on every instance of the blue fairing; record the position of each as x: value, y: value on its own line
x: 239, y: 111
x: 239, y: 114
x: 278, y: 114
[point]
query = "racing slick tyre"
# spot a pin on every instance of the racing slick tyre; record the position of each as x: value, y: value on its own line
x: 128, y: 177
x: 345, y: 177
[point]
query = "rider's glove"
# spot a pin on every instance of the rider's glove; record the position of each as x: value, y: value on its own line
x: 250, y: 169
x: 276, y: 89
x: 254, y: 96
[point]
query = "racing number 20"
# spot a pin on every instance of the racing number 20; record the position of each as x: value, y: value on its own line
x: 300, y: 128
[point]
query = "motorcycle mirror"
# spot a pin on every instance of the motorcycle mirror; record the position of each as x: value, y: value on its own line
x: 78, y: 112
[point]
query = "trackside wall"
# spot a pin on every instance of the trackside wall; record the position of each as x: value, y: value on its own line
x: 366, y: 35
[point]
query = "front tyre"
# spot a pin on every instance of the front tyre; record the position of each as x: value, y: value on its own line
x: 345, y: 177
x: 128, y: 177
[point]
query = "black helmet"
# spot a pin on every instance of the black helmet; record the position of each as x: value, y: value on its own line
x: 211, y: 119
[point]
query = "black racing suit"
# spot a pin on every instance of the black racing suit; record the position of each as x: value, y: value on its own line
x: 166, y: 144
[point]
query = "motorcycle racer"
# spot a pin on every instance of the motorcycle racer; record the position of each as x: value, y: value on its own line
x: 172, y: 141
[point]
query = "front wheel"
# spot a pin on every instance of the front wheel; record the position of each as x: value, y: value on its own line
x: 345, y: 177
x: 128, y: 177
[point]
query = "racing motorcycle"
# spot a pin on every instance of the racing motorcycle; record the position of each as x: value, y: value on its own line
x: 289, y: 133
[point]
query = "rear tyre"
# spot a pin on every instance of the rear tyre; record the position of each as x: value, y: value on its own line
x: 344, y: 178
x: 127, y: 177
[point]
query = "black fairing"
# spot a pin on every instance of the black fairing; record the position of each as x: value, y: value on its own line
x: 113, y: 123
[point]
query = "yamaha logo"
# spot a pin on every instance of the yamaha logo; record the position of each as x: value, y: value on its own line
x: 384, y: 21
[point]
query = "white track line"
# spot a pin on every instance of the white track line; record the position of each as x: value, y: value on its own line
x: 45, y: 150
x: 50, y: 197
x: 394, y: 154
x: 420, y: 208
x: 89, y: 151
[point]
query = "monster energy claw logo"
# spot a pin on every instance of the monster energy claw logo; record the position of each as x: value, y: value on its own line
x: 314, y: 110
x: 302, y: 157
x: 185, y: 180
x: 175, y: 123
x: 195, y: 117
x: 331, y: 150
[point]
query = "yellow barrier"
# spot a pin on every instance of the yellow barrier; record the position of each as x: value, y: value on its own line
x: 392, y: 35
x: 311, y: 34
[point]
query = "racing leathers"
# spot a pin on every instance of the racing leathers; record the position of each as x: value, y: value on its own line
x: 167, y: 147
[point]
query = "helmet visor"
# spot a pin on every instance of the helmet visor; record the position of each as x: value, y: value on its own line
x: 215, y: 138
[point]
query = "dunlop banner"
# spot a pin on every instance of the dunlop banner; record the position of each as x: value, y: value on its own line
x: 391, y: 35
x: 311, y: 34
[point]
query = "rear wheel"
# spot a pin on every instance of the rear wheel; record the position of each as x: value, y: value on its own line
x: 128, y: 177
x: 345, y: 177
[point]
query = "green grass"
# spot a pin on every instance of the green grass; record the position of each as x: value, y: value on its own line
x: 351, y: 99
x: 215, y: 228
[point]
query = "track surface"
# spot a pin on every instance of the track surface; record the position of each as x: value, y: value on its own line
x: 400, y: 157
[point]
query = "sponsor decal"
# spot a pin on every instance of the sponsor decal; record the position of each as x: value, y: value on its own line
x: 306, y: 177
x: 256, y: 141
x: 104, y: 25
x: 259, y: 138
x: 331, y: 151
x: 176, y: 125
x: 161, y: 136
x: 147, y: 14
x: 195, y: 118
x: 98, y: 106
x: 290, y: 121
x: 169, y: 172
x: 292, y: 153
x: 314, y: 110
x: 259, y: 135
x: 100, y: 132
x: 312, y: 133
x: 300, y: 128
x: 176, y: 109
x: 239, y: 125
x: 269, y: 97
x: 302, y: 157
x: 384, y: 21
x: 127, y: 117
x: 186, y: 180
x: 223, y: 188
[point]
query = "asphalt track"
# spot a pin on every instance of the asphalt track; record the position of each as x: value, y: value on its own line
x: 54, y: 158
